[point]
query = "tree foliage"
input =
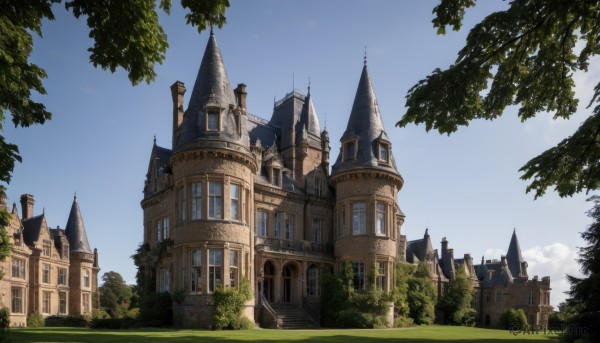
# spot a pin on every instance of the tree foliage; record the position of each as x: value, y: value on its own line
x: 525, y: 55
x: 512, y: 319
x: 136, y: 49
x: 585, y: 292
x: 229, y: 307
x: 115, y: 295
x: 456, y: 301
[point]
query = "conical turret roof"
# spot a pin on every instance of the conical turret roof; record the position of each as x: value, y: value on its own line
x: 366, y: 126
x: 212, y: 88
x: 309, y: 118
x: 514, y: 256
x: 75, y: 230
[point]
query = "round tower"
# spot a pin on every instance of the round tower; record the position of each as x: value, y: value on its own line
x: 367, y: 182
x: 205, y: 215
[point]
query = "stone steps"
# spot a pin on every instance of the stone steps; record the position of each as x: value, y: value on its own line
x: 293, y: 317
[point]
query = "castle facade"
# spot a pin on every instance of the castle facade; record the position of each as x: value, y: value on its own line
x: 50, y: 270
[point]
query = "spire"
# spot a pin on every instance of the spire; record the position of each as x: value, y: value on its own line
x: 75, y: 230
x: 308, y: 117
x: 365, y: 127
x: 514, y: 256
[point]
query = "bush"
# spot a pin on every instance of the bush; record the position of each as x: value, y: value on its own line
x: 4, y: 325
x: 242, y: 323
x: 77, y: 320
x: 35, y: 320
x: 513, y: 319
x: 156, y: 310
x: 100, y: 313
x: 113, y: 323
x: 229, y: 304
x: 133, y: 313
x: 469, y: 317
x: 403, y: 322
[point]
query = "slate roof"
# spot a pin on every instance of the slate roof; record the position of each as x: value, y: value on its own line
x: 515, y: 259
x: 75, y: 230
x: 212, y: 87
x: 31, y: 229
x: 419, y: 248
x: 365, y: 124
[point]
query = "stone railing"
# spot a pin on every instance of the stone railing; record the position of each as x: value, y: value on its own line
x: 294, y: 247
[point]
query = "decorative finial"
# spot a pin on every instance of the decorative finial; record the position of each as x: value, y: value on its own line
x: 308, y: 85
x: 211, y: 29
x: 44, y: 210
x: 154, y: 139
x: 75, y: 196
x: 274, y: 101
x: 325, y: 121
x: 365, y: 55
x: 293, y: 82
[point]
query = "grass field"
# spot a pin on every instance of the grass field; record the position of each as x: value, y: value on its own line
x: 423, y: 334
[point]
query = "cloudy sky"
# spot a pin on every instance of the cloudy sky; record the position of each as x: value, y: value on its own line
x: 464, y: 187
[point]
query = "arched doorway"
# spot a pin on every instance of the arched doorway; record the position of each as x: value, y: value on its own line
x: 286, y: 276
x: 269, y: 283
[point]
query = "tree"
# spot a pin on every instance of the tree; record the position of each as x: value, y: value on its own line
x: 585, y: 292
x: 456, y: 301
x: 115, y: 295
x: 525, y: 55
x: 421, y: 296
x: 136, y: 50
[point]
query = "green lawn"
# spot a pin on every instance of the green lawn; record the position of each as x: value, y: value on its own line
x: 417, y: 334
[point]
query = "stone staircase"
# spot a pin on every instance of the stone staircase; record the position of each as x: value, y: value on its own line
x: 293, y: 317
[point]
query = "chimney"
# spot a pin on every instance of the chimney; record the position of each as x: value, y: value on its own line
x: 27, y: 202
x: 444, y: 246
x: 95, y: 257
x: 177, y: 92
x: 240, y: 95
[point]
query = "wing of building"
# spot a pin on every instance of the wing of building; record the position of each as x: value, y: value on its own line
x: 51, y: 271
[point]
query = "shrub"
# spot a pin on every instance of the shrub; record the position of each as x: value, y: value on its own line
x: 513, y: 319
x: 77, y: 320
x: 133, y: 313
x: 156, y: 310
x: 100, y: 313
x: 242, y: 323
x: 403, y: 322
x: 113, y: 323
x: 469, y: 317
x: 229, y: 304
x: 4, y: 318
x: 35, y: 320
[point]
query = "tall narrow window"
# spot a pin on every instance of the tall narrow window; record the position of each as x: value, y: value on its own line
x: 318, y: 185
x: 358, y: 269
x: 45, y: 273
x: 343, y: 228
x: 289, y: 227
x: 349, y: 150
x: 196, y: 200
x: 62, y: 302
x: 316, y: 230
x: 261, y: 223
x: 383, y: 152
x: 46, y: 248
x: 86, y: 303
x: 16, y: 300
x: 164, y: 280
x: 165, y: 227
x: 215, y: 202
x: 86, y: 279
x: 312, y: 282
x: 277, y: 177
x: 159, y: 230
x: 278, y: 224
x: 62, y: 276
x: 196, y: 271
x: 359, y: 213
x: 212, y: 121
x: 215, y: 269
x: 234, y: 191
x: 46, y: 301
x: 380, y: 225
x: 233, y: 268
x: 18, y: 268
x: 380, y: 280
x: 530, y: 298
x: 182, y: 204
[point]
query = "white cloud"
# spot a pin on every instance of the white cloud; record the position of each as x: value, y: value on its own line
x: 494, y: 253
x: 554, y: 260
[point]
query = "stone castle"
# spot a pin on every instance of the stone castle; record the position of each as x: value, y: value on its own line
x: 245, y: 197
x: 51, y: 271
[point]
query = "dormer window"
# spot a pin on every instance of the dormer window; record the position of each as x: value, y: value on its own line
x: 318, y: 186
x: 276, y: 177
x: 213, y: 122
x: 350, y: 151
x: 384, y: 152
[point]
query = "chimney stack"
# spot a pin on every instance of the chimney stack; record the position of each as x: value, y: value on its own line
x: 27, y: 203
x: 177, y: 92
x: 240, y: 95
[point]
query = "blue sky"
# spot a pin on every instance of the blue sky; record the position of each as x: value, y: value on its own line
x: 464, y: 187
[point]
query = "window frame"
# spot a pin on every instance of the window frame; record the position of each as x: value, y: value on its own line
x: 86, y: 278
x: 380, y: 218
x: 215, y: 200
x: 262, y: 222
x: 19, y: 264
x: 215, y: 269
x: 216, y: 114
x: 234, y: 268
x: 289, y: 227
x: 278, y: 224
x: 62, y: 302
x: 196, y: 191
x: 383, y: 146
x: 381, y: 274
x: 46, y: 273
x: 46, y: 302
x: 46, y: 248
x: 358, y: 271
x: 196, y: 259
x: 16, y: 300
x: 317, y: 230
x: 234, y: 200
x: 359, y: 218
x: 350, y: 150
x: 62, y: 277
